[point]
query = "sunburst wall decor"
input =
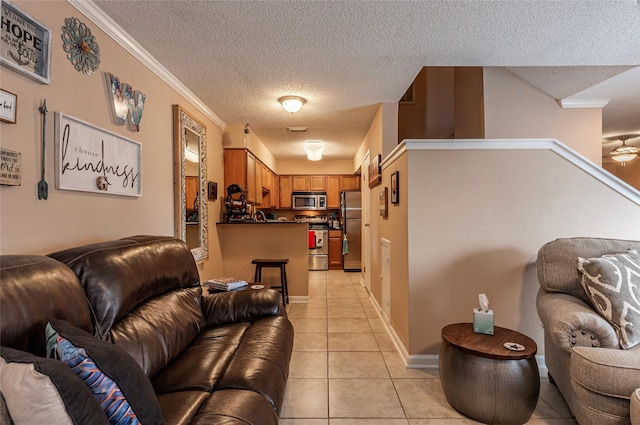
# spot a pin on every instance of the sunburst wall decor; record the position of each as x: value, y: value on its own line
x: 81, y: 46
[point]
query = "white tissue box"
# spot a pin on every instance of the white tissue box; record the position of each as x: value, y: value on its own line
x: 483, y: 321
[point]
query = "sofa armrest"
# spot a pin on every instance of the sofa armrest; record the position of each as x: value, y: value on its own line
x: 572, y: 323
x: 635, y: 407
x: 236, y: 306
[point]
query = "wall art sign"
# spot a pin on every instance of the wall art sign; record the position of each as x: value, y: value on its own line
x: 8, y: 106
x: 90, y: 159
x: 127, y: 104
x: 10, y: 167
x: 25, y: 43
x: 375, y: 172
x: 80, y: 46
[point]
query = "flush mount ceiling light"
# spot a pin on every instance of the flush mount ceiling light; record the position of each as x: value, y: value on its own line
x: 624, y: 153
x: 292, y: 103
x: 314, y: 150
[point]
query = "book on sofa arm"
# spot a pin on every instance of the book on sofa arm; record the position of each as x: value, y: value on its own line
x: 225, y: 283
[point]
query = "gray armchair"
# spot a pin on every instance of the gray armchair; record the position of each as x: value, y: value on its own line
x: 582, y: 351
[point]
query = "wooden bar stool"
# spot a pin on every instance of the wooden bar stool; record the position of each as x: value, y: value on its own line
x: 281, y: 264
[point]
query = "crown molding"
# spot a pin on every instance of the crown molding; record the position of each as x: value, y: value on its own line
x: 113, y: 30
x: 567, y: 103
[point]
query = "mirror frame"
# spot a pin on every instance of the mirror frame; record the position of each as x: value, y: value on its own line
x: 181, y: 121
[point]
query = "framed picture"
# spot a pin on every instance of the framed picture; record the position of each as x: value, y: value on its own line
x: 8, y: 106
x: 25, y: 45
x: 90, y: 159
x: 382, y: 207
x: 395, y: 190
x: 375, y: 174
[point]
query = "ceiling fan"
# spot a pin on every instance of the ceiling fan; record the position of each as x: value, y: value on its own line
x: 624, y: 153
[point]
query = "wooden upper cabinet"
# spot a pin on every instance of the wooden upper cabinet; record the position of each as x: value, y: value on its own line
x: 333, y: 192
x: 309, y: 183
x: 251, y: 179
x: 350, y: 183
x: 300, y: 183
x: 317, y: 183
x: 285, y: 187
x: 243, y: 168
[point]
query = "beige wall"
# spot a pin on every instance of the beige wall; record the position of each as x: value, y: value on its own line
x: 68, y: 218
x: 325, y: 166
x: 514, y: 108
x: 235, y: 137
x: 476, y: 220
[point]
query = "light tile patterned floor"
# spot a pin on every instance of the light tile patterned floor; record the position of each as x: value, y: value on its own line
x: 345, y: 369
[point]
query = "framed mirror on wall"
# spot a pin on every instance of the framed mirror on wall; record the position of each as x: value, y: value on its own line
x: 190, y: 182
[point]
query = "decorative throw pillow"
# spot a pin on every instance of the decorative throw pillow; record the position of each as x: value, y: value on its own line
x: 113, y: 376
x: 612, y: 283
x: 44, y: 391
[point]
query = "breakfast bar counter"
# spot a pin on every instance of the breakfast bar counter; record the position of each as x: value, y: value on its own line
x: 241, y: 242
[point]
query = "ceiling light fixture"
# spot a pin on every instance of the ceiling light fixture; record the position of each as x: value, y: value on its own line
x: 624, y: 153
x: 314, y: 149
x: 292, y: 103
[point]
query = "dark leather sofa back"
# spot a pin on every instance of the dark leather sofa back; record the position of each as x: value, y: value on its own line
x: 144, y: 293
x: 34, y: 289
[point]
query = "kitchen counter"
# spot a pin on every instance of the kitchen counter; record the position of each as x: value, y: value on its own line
x: 260, y: 222
x: 241, y: 242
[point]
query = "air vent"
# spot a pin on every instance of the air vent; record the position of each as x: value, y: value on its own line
x: 408, y: 96
x: 297, y: 129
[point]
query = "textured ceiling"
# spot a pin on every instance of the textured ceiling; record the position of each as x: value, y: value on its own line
x: 345, y: 57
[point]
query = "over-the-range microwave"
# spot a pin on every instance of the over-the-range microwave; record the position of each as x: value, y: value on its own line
x: 316, y: 201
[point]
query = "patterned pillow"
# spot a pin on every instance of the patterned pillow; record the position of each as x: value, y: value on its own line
x: 44, y: 391
x: 113, y: 376
x: 612, y: 283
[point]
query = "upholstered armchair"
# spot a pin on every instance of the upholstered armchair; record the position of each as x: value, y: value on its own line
x: 583, y: 353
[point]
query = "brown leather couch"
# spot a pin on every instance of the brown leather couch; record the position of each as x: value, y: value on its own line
x: 211, y: 358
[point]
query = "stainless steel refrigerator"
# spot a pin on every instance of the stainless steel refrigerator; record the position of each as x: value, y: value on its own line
x: 351, y: 212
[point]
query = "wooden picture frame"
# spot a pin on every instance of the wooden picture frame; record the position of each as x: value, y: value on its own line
x: 383, y: 202
x: 25, y: 45
x: 90, y: 159
x: 395, y: 188
x: 375, y: 172
x: 8, y: 107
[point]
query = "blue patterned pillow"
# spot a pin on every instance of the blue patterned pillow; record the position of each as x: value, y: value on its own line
x: 113, y: 376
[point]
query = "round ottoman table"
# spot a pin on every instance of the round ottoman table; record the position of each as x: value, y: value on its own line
x: 484, y: 380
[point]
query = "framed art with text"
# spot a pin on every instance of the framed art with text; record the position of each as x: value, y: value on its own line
x: 25, y: 44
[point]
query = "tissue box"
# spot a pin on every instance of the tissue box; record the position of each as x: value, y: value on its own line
x: 483, y: 321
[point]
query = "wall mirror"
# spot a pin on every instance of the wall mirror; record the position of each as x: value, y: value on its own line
x: 190, y: 182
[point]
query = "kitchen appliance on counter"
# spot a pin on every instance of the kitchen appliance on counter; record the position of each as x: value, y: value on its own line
x: 311, y: 201
x: 351, y: 211
x: 318, y: 240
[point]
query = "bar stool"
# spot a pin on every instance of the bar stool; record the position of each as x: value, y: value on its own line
x: 281, y: 264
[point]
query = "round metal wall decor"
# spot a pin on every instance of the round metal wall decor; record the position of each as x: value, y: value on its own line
x: 81, y: 47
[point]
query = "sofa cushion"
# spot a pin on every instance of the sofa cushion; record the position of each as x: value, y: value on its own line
x: 39, y: 390
x: 556, y: 262
x: 200, y: 366
x: 35, y: 289
x: 607, y: 371
x: 158, y: 331
x: 635, y: 407
x: 122, y: 274
x: 612, y: 283
x: 115, y: 379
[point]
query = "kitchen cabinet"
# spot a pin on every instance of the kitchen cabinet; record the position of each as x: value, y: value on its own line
x: 309, y: 183
x: 333, y: 192
x: 349, y: 183
x: 243, y: 168
x: 191, y: 191
x: 285, y: 187
x: 335, y: 249
x: 268, y: 190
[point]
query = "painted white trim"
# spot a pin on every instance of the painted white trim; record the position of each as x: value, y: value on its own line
x: 567, y: 103
x: 120, y: 36
x: 299, y: 299
x: 553, y: 145
x: 395, y: 154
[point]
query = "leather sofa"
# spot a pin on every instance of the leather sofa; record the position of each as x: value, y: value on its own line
x: 582, y: 350
x: 208, y: 358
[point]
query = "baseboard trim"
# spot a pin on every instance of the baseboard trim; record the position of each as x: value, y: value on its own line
x: 429, y: 361
x: 299, y: 299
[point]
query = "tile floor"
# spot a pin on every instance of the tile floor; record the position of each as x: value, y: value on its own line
x: 345, y: 369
